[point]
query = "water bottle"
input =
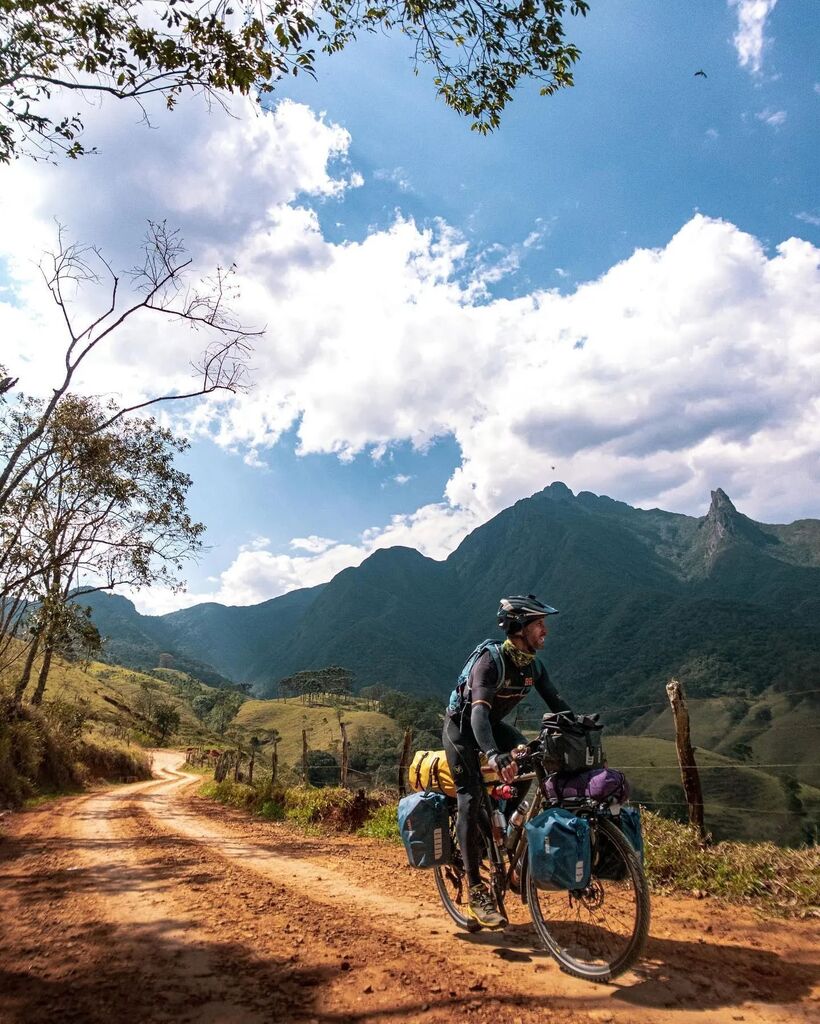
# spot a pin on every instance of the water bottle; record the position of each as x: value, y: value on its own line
x: 516, y: 821
x: 498, y: 825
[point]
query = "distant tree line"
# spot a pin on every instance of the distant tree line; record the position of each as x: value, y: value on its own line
x: 315, y: 685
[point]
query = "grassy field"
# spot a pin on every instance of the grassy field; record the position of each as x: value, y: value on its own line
x: 778, y: 729
x: 321, y: 722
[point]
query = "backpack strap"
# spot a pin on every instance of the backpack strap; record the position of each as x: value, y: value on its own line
x: 498, y: 658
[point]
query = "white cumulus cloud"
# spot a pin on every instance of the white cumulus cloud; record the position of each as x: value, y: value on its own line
x: 684, y: 367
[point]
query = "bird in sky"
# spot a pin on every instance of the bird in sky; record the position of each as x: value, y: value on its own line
x: 700, y: 73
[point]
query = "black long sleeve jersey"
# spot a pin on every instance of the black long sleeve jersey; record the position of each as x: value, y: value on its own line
x: 500, y: 700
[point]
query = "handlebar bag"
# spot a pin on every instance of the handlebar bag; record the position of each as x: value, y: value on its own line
x: 424, y: 826
x: 571, y: 743
x: 558, y: 849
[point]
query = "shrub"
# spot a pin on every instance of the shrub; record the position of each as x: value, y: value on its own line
x: 783, y: 879
x: 106, y: 758
x: 382, y: 824
x: 330, y: 808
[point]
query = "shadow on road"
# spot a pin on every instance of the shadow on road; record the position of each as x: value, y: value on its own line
x: 674, y: 973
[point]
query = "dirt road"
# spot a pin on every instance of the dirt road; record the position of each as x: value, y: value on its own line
x: 146, y: 903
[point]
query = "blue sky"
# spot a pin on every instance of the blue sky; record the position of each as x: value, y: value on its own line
x: 605, y: 286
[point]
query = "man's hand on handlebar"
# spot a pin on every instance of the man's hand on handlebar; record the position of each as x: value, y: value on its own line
x: 504, y: 765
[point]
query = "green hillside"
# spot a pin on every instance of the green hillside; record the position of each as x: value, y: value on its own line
x: 721, y: 602
x: 740, y: 802
x: 112, y: 696
x: 775, y: 729
x: 289, y: 717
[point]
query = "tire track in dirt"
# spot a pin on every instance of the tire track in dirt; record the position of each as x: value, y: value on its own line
x: 150, y: 903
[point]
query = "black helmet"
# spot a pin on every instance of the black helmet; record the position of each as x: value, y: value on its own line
x: 515, y: 612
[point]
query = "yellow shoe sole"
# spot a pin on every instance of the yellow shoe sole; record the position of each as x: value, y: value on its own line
x: 502, y: 923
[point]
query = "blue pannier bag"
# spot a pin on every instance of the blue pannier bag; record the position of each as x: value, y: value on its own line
x: 609, y: 863
x: 630, y: 821
x: 559, y: 851
x: 424, y: 826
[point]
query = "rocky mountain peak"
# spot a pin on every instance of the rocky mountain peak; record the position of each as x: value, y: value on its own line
x: 723, y: 524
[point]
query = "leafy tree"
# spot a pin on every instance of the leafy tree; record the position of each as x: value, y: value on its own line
x: 133, y: 49
x: 108, y: 504
x: 224, y: 710
x: 87, y: 486
x: 202, y: 705
x: 146, y: 701
x: 312, y: 684
x: 373, y: 694
x: 166, y: 720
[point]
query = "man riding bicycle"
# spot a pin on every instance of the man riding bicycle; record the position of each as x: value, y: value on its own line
x: 495, y: 679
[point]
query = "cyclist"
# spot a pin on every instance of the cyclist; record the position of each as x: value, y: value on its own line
x: 475, y: 722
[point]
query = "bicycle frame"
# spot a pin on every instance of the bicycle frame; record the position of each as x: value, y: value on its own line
x: 505, y: 863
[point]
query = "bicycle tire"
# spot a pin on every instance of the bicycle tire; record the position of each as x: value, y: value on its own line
x: 451, y: 881
x: 587, y: 946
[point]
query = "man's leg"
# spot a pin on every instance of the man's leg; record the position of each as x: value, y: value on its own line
x: 462, y: 756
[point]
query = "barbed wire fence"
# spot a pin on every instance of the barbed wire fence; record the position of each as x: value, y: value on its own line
x: 261, y: 767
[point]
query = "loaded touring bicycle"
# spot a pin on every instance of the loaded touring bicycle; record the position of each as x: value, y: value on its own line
x: 573, y: 855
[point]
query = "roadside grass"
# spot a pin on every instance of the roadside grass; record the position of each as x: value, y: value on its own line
x: 45, y: 752
x: 331, y: 809
x: 783, y: 882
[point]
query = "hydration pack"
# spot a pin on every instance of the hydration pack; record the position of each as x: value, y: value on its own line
x: 424, y: 826
x: 558, y: 849
x: 459, y: 698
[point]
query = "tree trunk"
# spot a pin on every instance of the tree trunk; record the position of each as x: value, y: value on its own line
x: 250, y: 766
x: 25, y: 675
x: 304, y: 757
x: 274, y: 763
x: 405, y: 761
x: 345, y: 753
x: 686, y: 756
x: 42, y: 678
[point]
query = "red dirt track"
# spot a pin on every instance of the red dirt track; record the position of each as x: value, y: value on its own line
x: 148, y: 904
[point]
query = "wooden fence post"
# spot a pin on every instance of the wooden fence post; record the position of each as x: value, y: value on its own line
x: 304, y: 757
x: 345, y: 754
x: 405, y: 760
x: 686, y: 756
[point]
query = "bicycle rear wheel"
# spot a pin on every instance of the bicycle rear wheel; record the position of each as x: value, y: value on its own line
x: 598, y: 932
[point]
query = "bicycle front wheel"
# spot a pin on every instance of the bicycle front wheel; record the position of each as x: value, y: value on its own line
x: 598, y: 932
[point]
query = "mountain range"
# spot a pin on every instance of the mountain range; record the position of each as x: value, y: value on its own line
x: 724, y: 603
